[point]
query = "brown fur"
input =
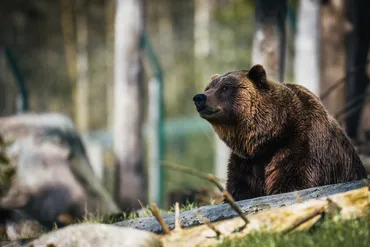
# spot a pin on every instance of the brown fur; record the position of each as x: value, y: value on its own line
x: 282, y: 139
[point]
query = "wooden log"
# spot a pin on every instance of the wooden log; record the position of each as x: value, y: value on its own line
x: 221, y: 212
x: 349, y: 205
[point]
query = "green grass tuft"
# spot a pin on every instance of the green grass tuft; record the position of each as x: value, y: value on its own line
x: 110, y: 219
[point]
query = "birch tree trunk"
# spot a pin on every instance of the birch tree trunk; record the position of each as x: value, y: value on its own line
x: 269, y: 37
x: 202, y: 32
x: 128, y: 105
x: 307, y: 70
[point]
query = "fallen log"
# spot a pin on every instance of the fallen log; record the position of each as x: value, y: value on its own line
x: 349, y: 205
x: 216, y: 213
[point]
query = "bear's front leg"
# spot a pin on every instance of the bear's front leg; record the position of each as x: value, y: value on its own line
x: 244, y: 179
x: 289, y: 173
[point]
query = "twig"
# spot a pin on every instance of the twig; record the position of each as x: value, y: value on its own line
x: 229, y: 198
x: 333, y: 87
x: 188, y: 170
x: 340, y: 81
x: 304, y: 220
x: 353, y: 110
x: 209, y: 224
x: 177, y: 217
x: 214, y: 180
x: 298, y: 198
x: 351, y: 104
x: 157, y: 214
x: 143, y: 207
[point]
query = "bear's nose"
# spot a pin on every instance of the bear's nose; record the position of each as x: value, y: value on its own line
x: 199, y: 98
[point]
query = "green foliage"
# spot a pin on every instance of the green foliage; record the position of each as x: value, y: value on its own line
x: 327, y: 234
x: 234, y: 11
x: 234, y: 22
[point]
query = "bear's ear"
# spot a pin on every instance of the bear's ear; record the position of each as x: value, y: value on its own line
x: 214, y: 76
x: 257, y: 75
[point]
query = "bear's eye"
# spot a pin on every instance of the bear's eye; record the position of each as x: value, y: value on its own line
x: 224, y: 88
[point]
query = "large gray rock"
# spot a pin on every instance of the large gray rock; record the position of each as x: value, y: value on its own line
x: 54, y: 181
x: 97, y: 235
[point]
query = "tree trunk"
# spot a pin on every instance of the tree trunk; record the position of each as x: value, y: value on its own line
x: 358, y: 48
x: 70, y: 49
x: 128, y: 117
x: 82, y: 87
x: 202, y: 33
x: 109, y: 15
x: 307, y: 45
x: 334, y: 27
x: 269, y: 37
x: 8, y: 90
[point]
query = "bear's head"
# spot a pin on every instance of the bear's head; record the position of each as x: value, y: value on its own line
x: 241, y: 107
x: 230, y: 97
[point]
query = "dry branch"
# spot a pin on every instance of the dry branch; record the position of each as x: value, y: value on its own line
x: 209, y: 225
x: 155, y: 211
x: 214, y: 180
x: 308, y: 217
x: 336, y: 84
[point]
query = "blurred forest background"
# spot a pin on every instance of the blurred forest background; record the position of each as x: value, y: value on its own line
x: 100, y: 62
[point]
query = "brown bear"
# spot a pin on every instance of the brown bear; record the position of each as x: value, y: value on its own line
x: 281, y: 137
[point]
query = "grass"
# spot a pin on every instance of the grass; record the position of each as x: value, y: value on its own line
x: 327, y: 234
x: 97, y: 218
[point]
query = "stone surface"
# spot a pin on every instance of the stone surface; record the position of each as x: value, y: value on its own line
x: 97, y: 235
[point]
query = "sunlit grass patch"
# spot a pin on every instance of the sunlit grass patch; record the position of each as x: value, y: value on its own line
x: 325, y: 234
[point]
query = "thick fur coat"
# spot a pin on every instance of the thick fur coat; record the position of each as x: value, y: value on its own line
x: 281, y: 137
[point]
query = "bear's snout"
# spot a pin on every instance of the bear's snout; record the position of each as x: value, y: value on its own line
x: 200, y: 101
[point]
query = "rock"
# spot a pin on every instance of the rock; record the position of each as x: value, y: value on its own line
x: 99, y: 235
x: 53, y: 180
